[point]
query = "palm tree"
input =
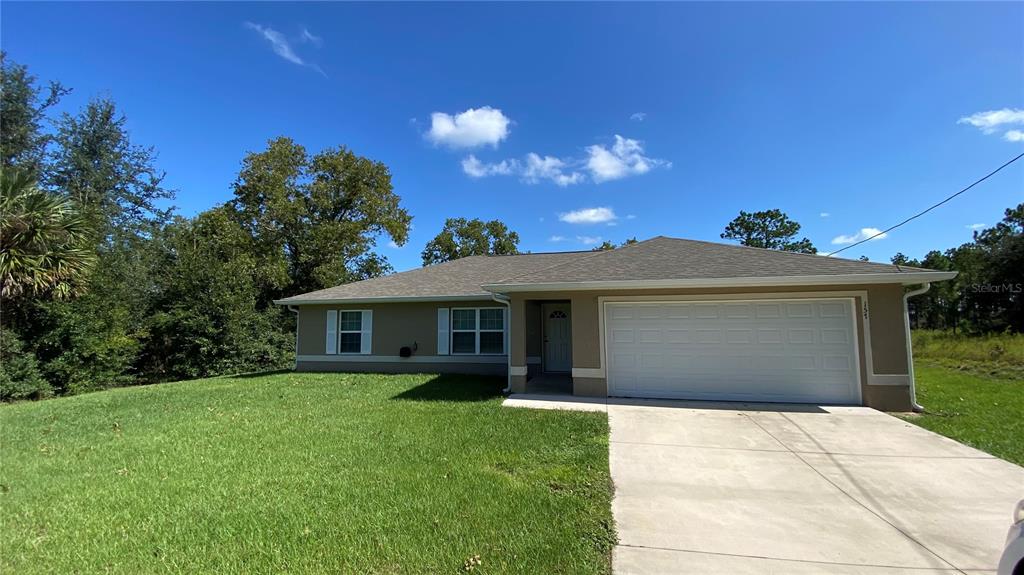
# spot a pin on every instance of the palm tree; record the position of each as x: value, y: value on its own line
x: 45, y: 244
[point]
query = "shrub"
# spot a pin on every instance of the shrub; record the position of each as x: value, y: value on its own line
x: 19, y: 373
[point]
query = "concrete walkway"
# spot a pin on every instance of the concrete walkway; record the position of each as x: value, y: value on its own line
x: 746, y: 488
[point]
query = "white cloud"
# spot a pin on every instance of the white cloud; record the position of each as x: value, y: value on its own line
x: 532, y: 170
x: 863, y: 234
x: 472, y: 128
x: 281, y: 46
x: 556, y: 239
x: 824, y: 214
x: 474, y: 168
x: 310, y: 37
x: 588, y: 240
x: 550, y: 168
x: 588, y: 216
x: 393, y: 245
x: 1014, y: 136
x: 638, y: 116
x: 975, y: 226
x: 625, y: 158
x: 989, y: 121
x: 631, y: 217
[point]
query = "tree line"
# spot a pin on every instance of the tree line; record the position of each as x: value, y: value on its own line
x: 102, y: 284
x: 988, y: 293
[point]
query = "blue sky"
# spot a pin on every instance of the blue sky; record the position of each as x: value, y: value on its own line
x: 573, y: 122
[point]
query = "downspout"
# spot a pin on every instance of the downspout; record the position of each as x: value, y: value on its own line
x: 505, y: 301
x: 295, y: 311
x: 918, y: 408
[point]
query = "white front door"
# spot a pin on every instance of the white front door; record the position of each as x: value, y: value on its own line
x: 800, y: 350
x: 557, y: 342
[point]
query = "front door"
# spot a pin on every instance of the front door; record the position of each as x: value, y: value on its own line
x: 557, y: 334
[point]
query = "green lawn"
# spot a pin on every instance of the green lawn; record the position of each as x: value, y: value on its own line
x: 303, y: 473
x: 983, y: 411
x: 999, y: 355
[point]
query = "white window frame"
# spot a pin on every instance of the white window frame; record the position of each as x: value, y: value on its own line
x: 477, y: 330
x: 364, y: 333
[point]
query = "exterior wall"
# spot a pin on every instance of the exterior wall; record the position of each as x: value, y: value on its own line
x: 884, y: 374
x: 534, y: 334
x: 395, y: 325
x: 404, y: 366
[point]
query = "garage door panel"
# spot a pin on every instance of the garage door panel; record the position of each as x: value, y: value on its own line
x: 677, y: 311
x: 836, y: 336
x: 769, y: 310
x: 708, y: 336
x: 799, y: 310
x: 649, y: 335
x: 706, y: 311
x: 833, y: 310
x: 622, y: 336
x: 649, y: 312
x: 836, y: 363
x: 794, y: 351
x: 801, y: 336
x: 677, y: 335
x: 738, y: 311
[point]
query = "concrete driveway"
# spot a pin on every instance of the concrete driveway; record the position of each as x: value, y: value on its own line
x: 743, y: 488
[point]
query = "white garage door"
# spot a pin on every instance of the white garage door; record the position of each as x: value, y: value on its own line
x: 800, y: 351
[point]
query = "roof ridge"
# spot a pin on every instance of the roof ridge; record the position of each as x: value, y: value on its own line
x: 532, y: 254
x: 587, y: 257
x: 772, y: 250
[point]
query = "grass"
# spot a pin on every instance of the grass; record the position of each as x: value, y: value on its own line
x: 303, y: 473
x: 999, y: 355
x: 972, y: 389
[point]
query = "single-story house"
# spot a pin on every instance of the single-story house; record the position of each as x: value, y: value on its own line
x: 662, y: 318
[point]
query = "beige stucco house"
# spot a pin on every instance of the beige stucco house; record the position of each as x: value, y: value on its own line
x: 663, y: 318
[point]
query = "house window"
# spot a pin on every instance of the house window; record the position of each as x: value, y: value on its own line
x: 478, y: 331
x: 350, y: 332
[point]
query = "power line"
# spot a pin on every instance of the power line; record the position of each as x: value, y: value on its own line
x: 915, y: 216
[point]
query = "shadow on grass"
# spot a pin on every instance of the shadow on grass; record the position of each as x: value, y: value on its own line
x: 254, y: 374
x: 455, y: 388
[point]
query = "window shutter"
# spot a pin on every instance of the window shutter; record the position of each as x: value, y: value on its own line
x: 366, y: 339
x: 442, y: 330
x: 332, y: 332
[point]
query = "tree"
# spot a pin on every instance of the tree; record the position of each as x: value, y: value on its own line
x: 988, y: 293
x: 1003, y: 277
x: 93, y: 341
x: 114, y: 181
x: 316, y: 218
x: 19, y: 373
x: 44, y: 242
x: 205, y: 318
x: 23, y: 107
x: 607, y: 245
x: 771, y: 229
x: 461, y: 238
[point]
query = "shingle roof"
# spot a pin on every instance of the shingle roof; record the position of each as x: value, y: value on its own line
x: 657, y: 259
x: 459, y: 278
x: 664, y: 258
